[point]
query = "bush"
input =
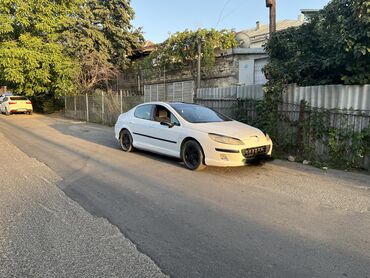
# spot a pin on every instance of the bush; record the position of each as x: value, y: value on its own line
x: 47, y: 103
x: 332, y: 48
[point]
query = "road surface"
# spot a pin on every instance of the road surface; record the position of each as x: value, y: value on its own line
x: 43, y: 233
x: 277, y: 220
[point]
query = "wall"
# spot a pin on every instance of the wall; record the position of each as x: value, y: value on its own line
x: 226, y: 72
x: 3, y: 90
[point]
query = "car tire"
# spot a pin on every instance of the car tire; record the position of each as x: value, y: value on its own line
x: 125, y: 140
x: 192, y: 156
x: 30, y: 112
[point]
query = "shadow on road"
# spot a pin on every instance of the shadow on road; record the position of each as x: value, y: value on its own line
x: 104, y: 136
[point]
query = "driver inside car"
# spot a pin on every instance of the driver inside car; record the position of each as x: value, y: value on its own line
x: 162, y: 116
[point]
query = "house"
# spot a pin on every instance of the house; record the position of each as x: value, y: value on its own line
x: 2, y: 90
x: 251, y: 56
x: 145, y: 50
x: 238, y: 66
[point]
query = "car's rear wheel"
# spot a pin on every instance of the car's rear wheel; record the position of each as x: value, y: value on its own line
x: 192, y: 155
x: 126, y: 141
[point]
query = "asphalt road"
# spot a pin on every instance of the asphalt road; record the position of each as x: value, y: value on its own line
x: 277, y: 220
x: 43, y: 233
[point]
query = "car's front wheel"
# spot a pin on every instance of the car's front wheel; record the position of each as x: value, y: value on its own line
x: 126, y: 141
x: 192, y: 155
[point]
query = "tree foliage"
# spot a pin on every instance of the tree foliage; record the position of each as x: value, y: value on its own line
x: 56, y: 46
x: 31, y: 60
x: 332, y: 48
x: 180, y: 50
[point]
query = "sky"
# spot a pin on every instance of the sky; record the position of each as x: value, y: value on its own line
x: 161, y: 17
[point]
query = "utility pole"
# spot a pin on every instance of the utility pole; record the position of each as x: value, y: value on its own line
x: 199, y: 61
x: 164, y: 83
x: 271, y: 4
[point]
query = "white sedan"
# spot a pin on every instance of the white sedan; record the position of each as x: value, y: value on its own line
x: 198, y: 135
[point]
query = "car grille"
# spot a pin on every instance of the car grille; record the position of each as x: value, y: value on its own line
x: 253, y: 152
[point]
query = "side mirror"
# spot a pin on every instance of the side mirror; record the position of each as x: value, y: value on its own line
x: 170, y: 125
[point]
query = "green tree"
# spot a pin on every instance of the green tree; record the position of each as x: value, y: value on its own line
x: 333, y: 48
x: 180, y: 50
x: 62, y: 46
x: 101, y: 38
x: 31, y: 60
x: 30, y: 65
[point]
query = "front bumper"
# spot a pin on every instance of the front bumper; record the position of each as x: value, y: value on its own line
x: 229, y: 156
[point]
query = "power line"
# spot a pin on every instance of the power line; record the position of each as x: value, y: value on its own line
x: 222, y: 11
x: 230, y: 13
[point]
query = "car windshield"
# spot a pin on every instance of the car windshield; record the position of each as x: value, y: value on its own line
x: 198, y: 114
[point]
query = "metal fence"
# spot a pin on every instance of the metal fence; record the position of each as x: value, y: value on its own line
x: 103, y: 108
x: 244, y: 92
x: 176, y: 91
x: 340, y: 138
x: 355, y: 97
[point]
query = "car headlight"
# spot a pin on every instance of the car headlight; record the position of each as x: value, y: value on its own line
x: 225, y: 139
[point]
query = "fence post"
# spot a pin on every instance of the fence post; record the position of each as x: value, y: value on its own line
x: 120, y: 93
x: 65, y: 103
x: 102, y: 107
x: 302, y: 107
x: 157, y: 92
x: 164, y: 83
x: 75, y: 105
x: 182, y: 91
x: 87, y: 108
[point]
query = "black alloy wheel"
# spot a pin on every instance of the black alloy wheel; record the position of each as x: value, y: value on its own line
x: 126, y: 141
x: 192, y: 155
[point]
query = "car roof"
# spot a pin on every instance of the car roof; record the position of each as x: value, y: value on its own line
x: 166, y: 102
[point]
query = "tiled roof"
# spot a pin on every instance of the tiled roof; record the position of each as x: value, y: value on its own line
x: 264, y: 28
x: 148, y: 46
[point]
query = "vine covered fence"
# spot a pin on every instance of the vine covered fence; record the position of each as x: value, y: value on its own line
x: 326, y: 137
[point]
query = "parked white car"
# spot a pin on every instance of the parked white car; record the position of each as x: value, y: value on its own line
x: 198, y: 135
x: 5, y: 95
x: 16, y: 104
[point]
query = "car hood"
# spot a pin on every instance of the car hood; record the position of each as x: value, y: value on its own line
x: 229, y: 128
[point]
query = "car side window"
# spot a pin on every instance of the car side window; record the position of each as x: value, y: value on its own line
x: 144, y: 112
x: 162, y: 114
x: 174, y: 120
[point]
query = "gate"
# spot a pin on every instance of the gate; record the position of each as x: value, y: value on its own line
x: 177, y: 91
